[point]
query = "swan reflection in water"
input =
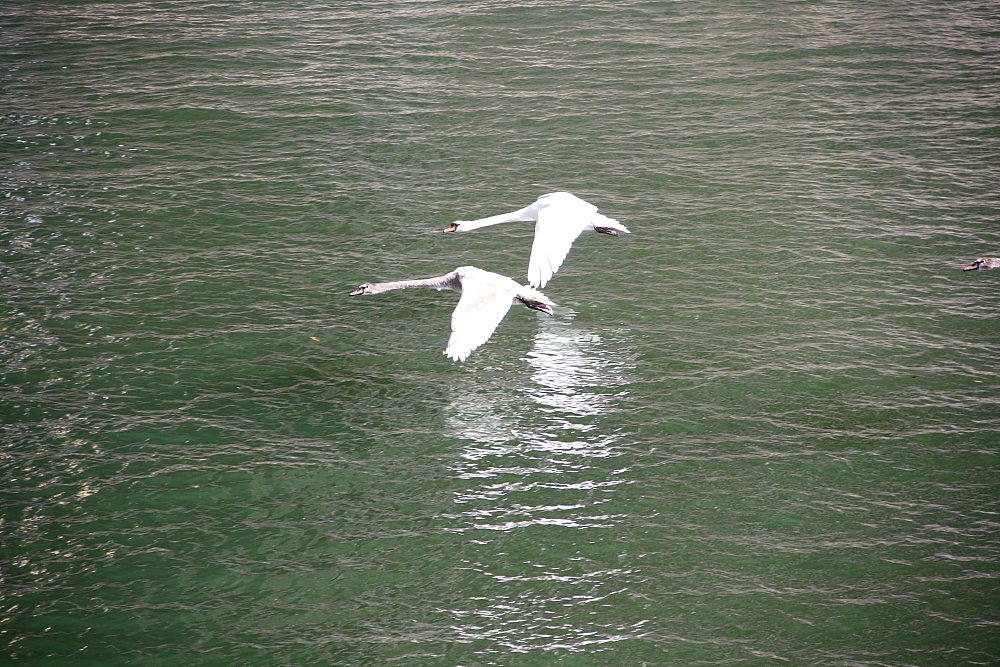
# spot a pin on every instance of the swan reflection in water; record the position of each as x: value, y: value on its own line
x: 519, y: 427
x: 567, y: 371
x: 539, y: 467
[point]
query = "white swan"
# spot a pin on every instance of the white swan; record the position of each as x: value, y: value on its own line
x: 984, y: 263
x: 486, y: 298
x: 560, y: 218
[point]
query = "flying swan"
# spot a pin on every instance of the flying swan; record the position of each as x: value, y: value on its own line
x: 560, y: 218
x: 486, y: 298
x: 984, y: 263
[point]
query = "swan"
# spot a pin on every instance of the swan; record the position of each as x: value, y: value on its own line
x: 486, y: 298
x: 560, y: 217
x: 984, y: 263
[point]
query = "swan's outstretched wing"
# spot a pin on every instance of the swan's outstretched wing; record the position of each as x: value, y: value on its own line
x: 557, y: 227
x: 477, y: 315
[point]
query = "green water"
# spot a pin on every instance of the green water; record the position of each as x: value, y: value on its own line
x: 761, y: 429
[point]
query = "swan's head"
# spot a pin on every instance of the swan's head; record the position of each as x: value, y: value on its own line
x: 362, y: 289
x: 984, y: 263
x: 469, y: 225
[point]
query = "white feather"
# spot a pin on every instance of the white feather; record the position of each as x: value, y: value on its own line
x: 486, y: 298
x: 484, y: 303
x: 560, y: 218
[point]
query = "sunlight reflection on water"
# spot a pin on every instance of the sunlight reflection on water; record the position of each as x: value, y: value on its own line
x: 526, y: 453
x: 532, y: 459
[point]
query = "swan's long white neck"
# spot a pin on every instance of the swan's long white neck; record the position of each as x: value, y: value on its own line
x: 441, y: 282
x: 516, y: 216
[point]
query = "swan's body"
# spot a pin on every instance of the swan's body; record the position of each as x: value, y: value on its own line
x: 984, y: 263
x: 560, y: 218
x: 486, y: 298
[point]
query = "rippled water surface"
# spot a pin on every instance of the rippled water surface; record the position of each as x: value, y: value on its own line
x: 761, y: 429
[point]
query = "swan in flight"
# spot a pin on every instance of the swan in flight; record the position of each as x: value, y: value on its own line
x: 984, y: 263
x: 486, y: 298
x: 560, y: 218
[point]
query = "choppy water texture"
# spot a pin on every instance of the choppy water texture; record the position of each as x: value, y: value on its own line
x: 762, y: 429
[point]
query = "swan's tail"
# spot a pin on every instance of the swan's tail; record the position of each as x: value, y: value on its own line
x: 606, y: 225
x: 535, y: 300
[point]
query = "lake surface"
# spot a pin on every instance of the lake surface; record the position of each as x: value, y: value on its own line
x: 764, y: 428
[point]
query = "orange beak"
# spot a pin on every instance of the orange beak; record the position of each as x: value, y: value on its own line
x: 453, y: 228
